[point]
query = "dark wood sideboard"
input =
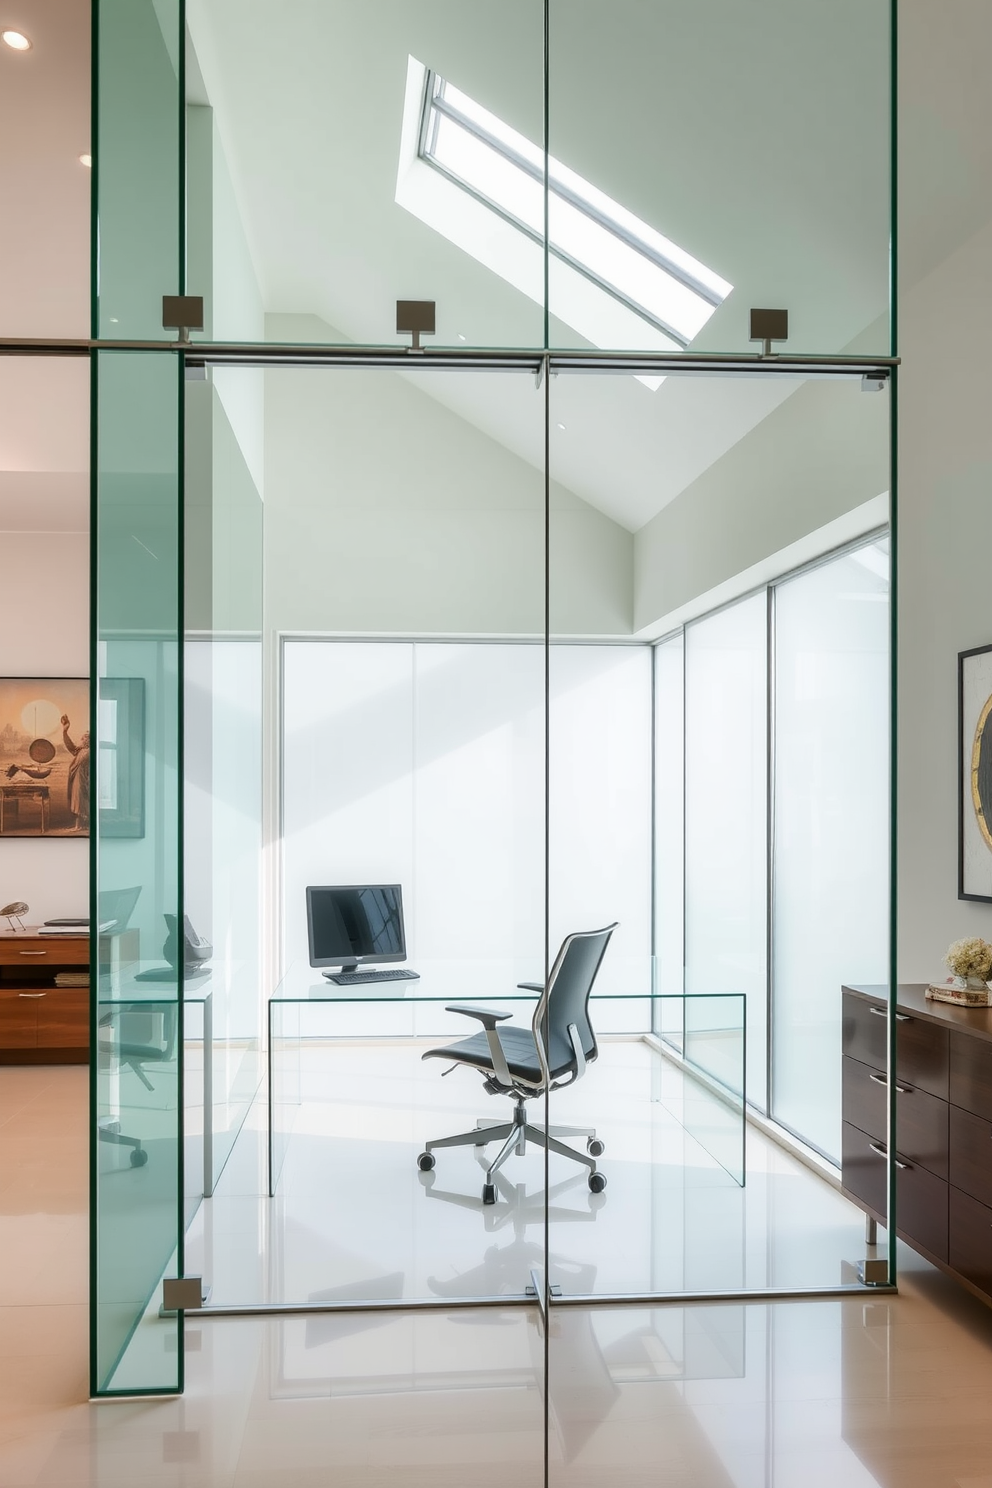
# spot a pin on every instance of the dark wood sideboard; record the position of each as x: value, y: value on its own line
x: 943, y: 1125
x: 40, y: 1022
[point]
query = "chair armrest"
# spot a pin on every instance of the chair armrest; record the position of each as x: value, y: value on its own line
x: 531, y: 986
x: 488, y: 1017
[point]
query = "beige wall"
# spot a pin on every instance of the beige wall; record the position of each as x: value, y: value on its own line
x: 44, y: 632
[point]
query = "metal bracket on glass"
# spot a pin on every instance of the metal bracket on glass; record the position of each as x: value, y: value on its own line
x: 183, y: 1294
x: 873, y: 1272
x: 415, y: 318
x: 184, y: 313
x: 768, y: 326
x: 873, y: 382
x: 541, y: 1294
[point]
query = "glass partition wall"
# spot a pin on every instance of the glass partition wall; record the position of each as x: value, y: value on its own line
x: 570, y: 620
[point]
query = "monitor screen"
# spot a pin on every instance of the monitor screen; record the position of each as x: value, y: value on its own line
x: 355, y: 922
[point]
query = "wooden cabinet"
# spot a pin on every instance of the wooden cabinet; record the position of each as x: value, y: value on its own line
x: 943, y: 1125
x: 41, y: 1022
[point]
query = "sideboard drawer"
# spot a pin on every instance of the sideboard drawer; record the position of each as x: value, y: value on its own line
x: 922, y: 1047
x: 971, y: 1074
x: 18, y: 1019
x: 44, y: 950
x: 64, y: 1019
x: 921, y: 1197
x: 970, y: 1244
x: 921, y: 1119
x: 971, y: 1154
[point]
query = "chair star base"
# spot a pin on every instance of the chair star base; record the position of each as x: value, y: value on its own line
x: 514, y: 1136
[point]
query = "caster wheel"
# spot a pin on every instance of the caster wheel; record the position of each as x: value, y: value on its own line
x: 489, y: 1193
x: 595, y: 1147
x: 426, y: 1161
x: 138, y: 1157
x: 597, y: 1182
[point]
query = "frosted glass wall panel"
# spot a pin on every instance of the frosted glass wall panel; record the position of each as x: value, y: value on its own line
x: 600, y: 813
x: 423, y: 763
x: 478, y: 849
x: 725, y: 815
x: 669, y: 807
x: 347, y: 773
x: 831, y: 880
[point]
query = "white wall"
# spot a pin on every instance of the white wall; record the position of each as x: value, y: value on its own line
x: 945, y: 449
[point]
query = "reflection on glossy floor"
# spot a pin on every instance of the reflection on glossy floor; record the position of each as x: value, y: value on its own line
x: 893, y: 1391
x: 353, y: 1216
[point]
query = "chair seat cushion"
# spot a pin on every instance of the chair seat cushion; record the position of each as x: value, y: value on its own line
x: 518, y: 1047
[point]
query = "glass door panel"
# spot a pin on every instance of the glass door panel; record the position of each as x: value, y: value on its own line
x: 136, y: 853
x: 403, y: 607
x: 660, y: 758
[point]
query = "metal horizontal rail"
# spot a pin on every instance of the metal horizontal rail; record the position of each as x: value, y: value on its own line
x: 521, y: 1299
x: 455, y: 358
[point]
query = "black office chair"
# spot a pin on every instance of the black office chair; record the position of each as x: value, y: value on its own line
x: 524, y: 1063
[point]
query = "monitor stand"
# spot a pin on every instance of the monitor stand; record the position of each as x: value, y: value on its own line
x: 347, y: 966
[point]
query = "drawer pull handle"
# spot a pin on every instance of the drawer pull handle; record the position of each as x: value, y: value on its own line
x: 30, y: 994
x: 883, y: 1080
x: 33, y: 953
x: 882, y: 1013
x: 876, y: 1147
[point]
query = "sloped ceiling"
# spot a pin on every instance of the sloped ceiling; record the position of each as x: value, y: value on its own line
x: 754, y: 135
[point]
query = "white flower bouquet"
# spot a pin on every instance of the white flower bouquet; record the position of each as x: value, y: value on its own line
x: 970, y: 961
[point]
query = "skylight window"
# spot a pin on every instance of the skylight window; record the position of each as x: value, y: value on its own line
x: 589, y: 234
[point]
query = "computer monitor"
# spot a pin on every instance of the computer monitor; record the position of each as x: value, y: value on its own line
x: 355, y: 923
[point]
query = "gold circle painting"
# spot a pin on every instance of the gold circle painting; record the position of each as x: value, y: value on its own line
x: 981, y: 773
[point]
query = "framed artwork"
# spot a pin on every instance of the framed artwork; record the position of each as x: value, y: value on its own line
x: 121, y: 730
x: 44, y: 757
x: 975, y: 774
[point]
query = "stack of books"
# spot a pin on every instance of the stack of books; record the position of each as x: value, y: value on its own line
x: 72, y: 979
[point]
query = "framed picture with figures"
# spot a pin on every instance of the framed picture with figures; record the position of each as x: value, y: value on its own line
x: 975, y: 774
x: 44, y: 757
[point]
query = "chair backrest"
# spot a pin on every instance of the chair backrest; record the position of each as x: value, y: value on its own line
x: 566, y: 999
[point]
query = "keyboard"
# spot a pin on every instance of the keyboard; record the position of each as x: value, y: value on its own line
x: 359, y: 978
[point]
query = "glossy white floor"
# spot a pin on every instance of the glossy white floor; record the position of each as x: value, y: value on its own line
x: 893, y: 1391
x: 354, y: 1217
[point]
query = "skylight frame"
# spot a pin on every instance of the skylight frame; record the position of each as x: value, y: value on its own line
x: 436, y: 105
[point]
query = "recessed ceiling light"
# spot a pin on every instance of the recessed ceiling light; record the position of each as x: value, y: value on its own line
x: 460, y: 336
x: 16, y: 40
x: 561, y: 426
x: 86, y: 160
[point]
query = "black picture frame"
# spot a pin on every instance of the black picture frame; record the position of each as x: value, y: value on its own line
x: 126, y: 817
x: 975, y: 774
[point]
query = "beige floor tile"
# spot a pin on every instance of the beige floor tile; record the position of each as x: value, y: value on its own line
x: 862, y: 1393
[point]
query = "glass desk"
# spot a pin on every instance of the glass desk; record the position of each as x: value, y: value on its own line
x: 705, y: 1032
